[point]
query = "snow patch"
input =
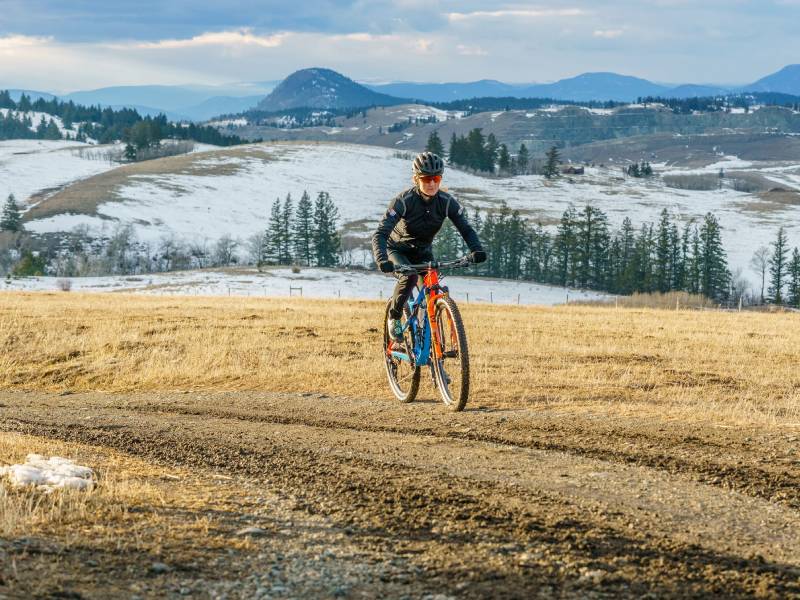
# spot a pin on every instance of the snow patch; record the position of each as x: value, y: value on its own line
x: 49, y: 473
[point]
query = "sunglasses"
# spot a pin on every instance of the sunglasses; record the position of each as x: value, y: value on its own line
x: 430, y: 178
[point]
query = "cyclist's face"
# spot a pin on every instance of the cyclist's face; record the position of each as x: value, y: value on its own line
x: 429, y: 185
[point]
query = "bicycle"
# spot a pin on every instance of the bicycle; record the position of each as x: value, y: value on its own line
x: 433, y: 335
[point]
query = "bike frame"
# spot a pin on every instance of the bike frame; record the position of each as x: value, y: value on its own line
x: 427, y: 296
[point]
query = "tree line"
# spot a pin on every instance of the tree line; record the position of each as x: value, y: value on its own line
x: 585, y: 252
x: 783, y: 270
x: 296, y: 234
x: 481, y: 153
x: 305, y: 234
x: 106, y: 125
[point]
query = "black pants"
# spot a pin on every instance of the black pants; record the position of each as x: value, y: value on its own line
x: 406, y: 281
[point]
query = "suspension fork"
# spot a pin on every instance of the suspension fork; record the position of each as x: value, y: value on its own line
x: 434, y: 293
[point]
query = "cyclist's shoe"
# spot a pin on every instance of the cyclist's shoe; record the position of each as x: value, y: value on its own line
x: 395, y: 328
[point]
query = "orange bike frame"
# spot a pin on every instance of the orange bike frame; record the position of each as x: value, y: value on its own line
x: 434, y: 293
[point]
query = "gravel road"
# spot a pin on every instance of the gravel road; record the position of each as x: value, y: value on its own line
x: 368, y: 498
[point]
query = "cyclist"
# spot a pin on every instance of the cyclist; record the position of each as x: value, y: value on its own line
x: 405, y: 234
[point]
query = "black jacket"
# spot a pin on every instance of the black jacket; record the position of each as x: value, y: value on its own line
x: 411, y: 222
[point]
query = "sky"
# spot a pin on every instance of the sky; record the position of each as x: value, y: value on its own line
x: 68, y: 45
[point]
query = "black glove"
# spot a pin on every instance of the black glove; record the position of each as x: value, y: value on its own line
x: 478, y: 256
x: 386, y: 266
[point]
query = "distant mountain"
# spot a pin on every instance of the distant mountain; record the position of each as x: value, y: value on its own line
x: 691, y: 90
x: 785, y: 81
x: 220, y: 105
x: 447, y: 92
x: 323, y: 88
x: 596, y: 86
x: 585, y: 87
x: 191, y: 102
x: 33, y: 95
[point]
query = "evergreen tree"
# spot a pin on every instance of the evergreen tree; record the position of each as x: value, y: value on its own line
x: 490, y: 151
x: 504, y: 159
x: 11, y: 218
x: 794, y: 279
x: 435, y: 144
x: 664, y: 255
x: 303, y: 230
x: 714, y: 274
x: 272, y: 236
x: 522, y: 159
x: 326, y: 239
x: 286, y: 245
x: 564, y: 248
x: 624, y: 279
x: 553, y: 159
x: 777, y: 267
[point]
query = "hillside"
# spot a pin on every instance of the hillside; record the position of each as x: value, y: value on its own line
x: 201, y: 197
x: 322, y: 88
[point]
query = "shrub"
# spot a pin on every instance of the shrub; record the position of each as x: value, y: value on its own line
x: 701, y: 183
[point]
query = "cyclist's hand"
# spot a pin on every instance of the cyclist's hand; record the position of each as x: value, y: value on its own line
x: 386, y: 266
x: 478, y: 256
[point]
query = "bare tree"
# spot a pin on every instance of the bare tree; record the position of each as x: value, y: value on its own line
x: 198, y: 250
x: 225, y: 252
x: 760, y: 263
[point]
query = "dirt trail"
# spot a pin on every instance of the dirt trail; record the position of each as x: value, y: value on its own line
x: 486, y: 503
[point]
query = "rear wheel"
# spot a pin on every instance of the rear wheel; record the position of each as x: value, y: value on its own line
x: 451, y: 371
x: 404, y: 375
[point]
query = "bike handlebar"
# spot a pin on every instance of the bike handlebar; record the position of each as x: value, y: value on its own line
x: 453, y: 264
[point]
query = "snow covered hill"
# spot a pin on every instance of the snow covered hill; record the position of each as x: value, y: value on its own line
x: 230, y: 191
x: 42, y: 167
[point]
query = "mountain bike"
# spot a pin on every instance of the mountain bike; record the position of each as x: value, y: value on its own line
x: 433, y: 335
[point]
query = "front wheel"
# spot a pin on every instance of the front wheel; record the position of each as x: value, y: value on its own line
x: 452, y: 369
x: 404, y: 375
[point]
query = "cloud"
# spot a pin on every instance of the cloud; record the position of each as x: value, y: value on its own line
x: 241, y: 37
x: 19, y: 42
x: 516, y: 13
x: 471, y: 50
x: 609, y: 34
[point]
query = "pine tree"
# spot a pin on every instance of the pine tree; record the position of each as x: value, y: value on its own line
x: 794, y: 279
x: 504, y: 159
x: 552, y: 161
x: 435, y: 144
x: 522, y: 159
x: 326, y: 239
x: 777, y: 267
x: 624, y: 278
x: 11, y: 218
x: 286, y: 245
x: 663, y: 266
x: 490, y: 153
x: 564, y: 248
x: 303, y: 230
x: 714, y: 274
x: 272, y: 236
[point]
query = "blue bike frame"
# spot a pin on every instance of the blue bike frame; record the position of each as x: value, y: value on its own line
x: 421, y: 351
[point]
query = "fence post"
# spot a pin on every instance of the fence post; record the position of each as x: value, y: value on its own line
x: 740, y: 304
x: 567, y: 298
x: 517, y: 298
x: 467, y: 297
x: 381, y: 292
x: 491, y: 296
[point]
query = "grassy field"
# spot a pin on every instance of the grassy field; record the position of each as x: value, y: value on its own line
x: 699, y: 366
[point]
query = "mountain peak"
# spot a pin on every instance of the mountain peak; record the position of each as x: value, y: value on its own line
x: 319, y: 87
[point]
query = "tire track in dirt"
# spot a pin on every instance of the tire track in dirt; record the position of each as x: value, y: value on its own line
x: 475, y: 511
x: 723, y: 459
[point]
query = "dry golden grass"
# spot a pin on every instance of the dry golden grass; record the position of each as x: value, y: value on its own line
x: 706, y: 366
x: 134, y: 506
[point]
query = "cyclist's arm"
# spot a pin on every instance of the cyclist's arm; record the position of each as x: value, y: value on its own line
x: 393, y: 214
x: 456, y: 214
